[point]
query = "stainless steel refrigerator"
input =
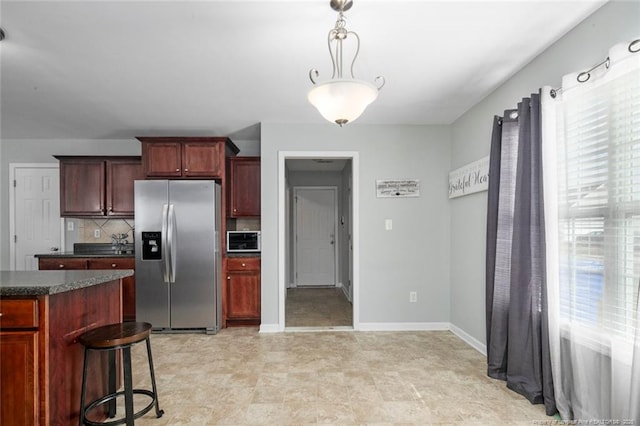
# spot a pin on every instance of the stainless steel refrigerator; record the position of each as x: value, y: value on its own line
x: 178, y: 259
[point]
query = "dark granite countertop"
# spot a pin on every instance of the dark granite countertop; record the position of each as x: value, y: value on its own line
x: 75, y: 254
x: 37, y: 283
x: 232, y: 254
x: 92, y: 250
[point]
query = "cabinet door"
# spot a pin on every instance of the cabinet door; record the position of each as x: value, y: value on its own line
x: 162, y: 159
x: 243, y: 295
x: 82, y: 187
x: 120, y: 177
x: 244, y: 187
x: 243, y: 288
x: 203, y: 159
x: 51, y: 263
x: 19, y: 397
x: 128, y: 283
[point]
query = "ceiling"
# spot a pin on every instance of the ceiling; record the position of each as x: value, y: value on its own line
x: 118, y: 69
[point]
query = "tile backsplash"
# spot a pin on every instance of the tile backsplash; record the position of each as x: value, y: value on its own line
x: 96, y: 230
x: 243, y: 224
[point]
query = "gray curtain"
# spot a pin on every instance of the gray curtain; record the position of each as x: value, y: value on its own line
x: 516, y: 306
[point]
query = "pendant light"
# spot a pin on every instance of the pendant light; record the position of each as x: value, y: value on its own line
x: 341, y: 100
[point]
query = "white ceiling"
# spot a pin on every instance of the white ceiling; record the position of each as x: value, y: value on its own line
x: 120, y: 69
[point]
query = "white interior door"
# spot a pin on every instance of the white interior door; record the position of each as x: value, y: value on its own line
x: 35, y: 213
x: 315, y: 238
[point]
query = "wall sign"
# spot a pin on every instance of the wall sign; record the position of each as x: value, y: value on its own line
x: 474, y: 177
x: 398, y: 188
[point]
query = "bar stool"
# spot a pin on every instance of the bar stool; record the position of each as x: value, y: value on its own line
x: 111, y: 338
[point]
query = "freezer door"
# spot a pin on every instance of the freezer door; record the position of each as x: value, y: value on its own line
x: 192, y: 224
x: 152, y: 289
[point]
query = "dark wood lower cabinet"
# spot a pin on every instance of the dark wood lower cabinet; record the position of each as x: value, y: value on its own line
x: 242, y: 291
x: 18, y: 350
x: 41, y: 368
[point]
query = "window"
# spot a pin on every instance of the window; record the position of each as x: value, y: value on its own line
x: 599, y: 206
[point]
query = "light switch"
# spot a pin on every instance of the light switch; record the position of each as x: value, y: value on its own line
x: 388, y: 224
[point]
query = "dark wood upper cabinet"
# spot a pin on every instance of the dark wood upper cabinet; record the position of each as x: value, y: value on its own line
x: 186, y: 157
x: 121, y: 174
x: 244, y: 187
x: 98, y: 186
x: 162, y: 159
x: 82, y: 187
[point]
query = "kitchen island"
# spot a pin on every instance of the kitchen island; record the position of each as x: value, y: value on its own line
x: 42, y: 313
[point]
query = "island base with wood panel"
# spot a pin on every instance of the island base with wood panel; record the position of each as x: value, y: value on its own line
x: 42, y: 313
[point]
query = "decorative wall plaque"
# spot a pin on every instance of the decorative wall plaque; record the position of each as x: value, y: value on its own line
x: 474, y: 177
x: 395, y: 188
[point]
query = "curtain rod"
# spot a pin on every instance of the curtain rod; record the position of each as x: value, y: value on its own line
x: 584, y: 76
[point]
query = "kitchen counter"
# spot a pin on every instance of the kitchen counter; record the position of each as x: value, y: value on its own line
x: 37, y: 283
x: 91, y: 250
x: 43, y: 313
x: 73, y: 254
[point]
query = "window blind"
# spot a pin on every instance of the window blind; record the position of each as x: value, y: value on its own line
x: 599, y: 205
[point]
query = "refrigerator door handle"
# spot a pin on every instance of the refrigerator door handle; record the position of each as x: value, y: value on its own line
x: 172, y: 244
x: 165, y: 244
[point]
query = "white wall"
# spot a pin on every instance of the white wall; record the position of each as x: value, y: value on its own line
x: 584, y: 46
x: 414, y: 256
x: 42, y: 151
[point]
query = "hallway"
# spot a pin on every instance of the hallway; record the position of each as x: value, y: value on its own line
x: 317, y: 307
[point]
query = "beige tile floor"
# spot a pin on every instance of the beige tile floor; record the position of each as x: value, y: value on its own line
x: 317, y: 307
x: 242, y: 377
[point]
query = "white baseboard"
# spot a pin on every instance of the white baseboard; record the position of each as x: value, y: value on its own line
x: 345, y: 291
x: 470, y: 340
x: 402, y: 326
x: 398, y: 326
x: 270, y: 328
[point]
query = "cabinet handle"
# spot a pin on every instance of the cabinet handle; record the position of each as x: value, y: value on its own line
x: 61, y: 266
x: 113, y: 265
x: 243, y: 265
x: 228, y: 277
x: 0, y: 314
x: 186, y: 170
x: 177, y: 170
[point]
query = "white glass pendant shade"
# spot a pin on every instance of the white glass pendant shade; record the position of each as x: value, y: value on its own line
x: 342, y: 100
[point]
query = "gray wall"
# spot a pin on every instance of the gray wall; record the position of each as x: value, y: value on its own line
x: 584, y: 46
x: 414, y: 256
x: 41, y: 151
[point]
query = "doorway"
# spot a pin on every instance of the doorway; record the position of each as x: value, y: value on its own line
x: 34, y: 213
x: 318, y: 250
x: 315, y: 231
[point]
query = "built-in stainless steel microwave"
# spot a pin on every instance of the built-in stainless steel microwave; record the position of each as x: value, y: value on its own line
x: 243, y: 241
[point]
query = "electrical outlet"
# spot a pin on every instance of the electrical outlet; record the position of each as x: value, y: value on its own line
x: 96, y: 233
x: 388, y: 224
x: 413, y: 296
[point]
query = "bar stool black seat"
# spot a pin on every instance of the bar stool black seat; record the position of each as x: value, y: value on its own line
x: 111, y: 338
